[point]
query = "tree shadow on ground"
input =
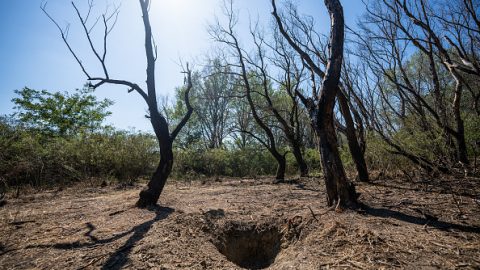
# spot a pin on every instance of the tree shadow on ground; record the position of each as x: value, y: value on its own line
x: 442, y: 225
x: 297, y: 183
x: 119, y: 257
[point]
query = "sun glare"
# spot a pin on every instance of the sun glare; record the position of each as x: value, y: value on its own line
x: 175, y: 4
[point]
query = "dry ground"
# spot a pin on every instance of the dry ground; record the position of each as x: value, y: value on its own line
x: 254, y: 223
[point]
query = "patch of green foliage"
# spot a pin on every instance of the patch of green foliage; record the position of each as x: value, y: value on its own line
x: 472, y: 134
x: 236, y: 162
x: 60, y: 113
x: 33, y: 158
x: 56, y: 138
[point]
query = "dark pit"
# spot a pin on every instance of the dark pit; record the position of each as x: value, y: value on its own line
x: 250, y: 246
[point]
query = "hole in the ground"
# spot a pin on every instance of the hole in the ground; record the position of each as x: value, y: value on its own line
x: 250, y: 246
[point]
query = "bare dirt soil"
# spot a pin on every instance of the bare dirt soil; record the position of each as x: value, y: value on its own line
x: 235, y: 223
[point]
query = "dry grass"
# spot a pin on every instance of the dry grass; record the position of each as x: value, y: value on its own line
x: 81, y: 227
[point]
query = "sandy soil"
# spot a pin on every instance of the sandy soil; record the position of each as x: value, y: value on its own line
x: 244, y: 222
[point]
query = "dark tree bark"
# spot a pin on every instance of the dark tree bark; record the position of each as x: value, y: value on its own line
x: 339, y: 190
x: 302, y: 165
x: 282, y: 166
x: 151, y: 194
x: 355, y: 149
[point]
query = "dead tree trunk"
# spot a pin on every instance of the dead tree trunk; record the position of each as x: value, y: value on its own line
x: 150, y: 195
x: 336, y: 183
x: 302, y: 165
x: 355, y: 150
x: 281, y: 166
x: 339, y: 190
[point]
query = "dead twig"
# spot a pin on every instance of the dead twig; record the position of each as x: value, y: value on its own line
x: 313, y: 214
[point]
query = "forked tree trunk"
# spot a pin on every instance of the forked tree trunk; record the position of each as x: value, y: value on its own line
x: 339, y: 190
x: 151, y: 193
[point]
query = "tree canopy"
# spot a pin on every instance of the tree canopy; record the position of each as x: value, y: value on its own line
x: 61, y: 113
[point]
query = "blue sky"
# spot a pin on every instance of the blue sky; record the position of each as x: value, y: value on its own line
x: 32, y: 53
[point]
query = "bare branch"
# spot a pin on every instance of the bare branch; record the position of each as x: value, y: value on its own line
x: 64, y: 34
x: 187, y: 104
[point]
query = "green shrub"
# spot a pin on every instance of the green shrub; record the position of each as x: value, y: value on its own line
x: 378, y: 158
x: 30, y: 157
x: 312, y: 158
x: 472, y: 134
x: 249, y: 162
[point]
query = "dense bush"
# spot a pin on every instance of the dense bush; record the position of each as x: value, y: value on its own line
x: 222, y: 162
x: 429, y: 144
x: 247, y: 162
x: 61, y: 113
x: 29, y: 157
x: 378, y: 157
x: 472, y: 135
x: 38, y: 159
x: 58, y: 137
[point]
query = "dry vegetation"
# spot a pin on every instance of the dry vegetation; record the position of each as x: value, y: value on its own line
x: 252, y: 222
x: 407, y: 91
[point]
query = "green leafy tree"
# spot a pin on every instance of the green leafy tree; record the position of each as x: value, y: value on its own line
x: 60, y: 113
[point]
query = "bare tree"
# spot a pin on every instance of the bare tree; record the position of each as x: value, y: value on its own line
x: 302, y: 32
x: 291, y: 77
x: 321, y: 107
x: 420, y: 18
x: 151, y: 194
x: 214, y: 97
x: 253, y: 84
x: 448, y: 62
